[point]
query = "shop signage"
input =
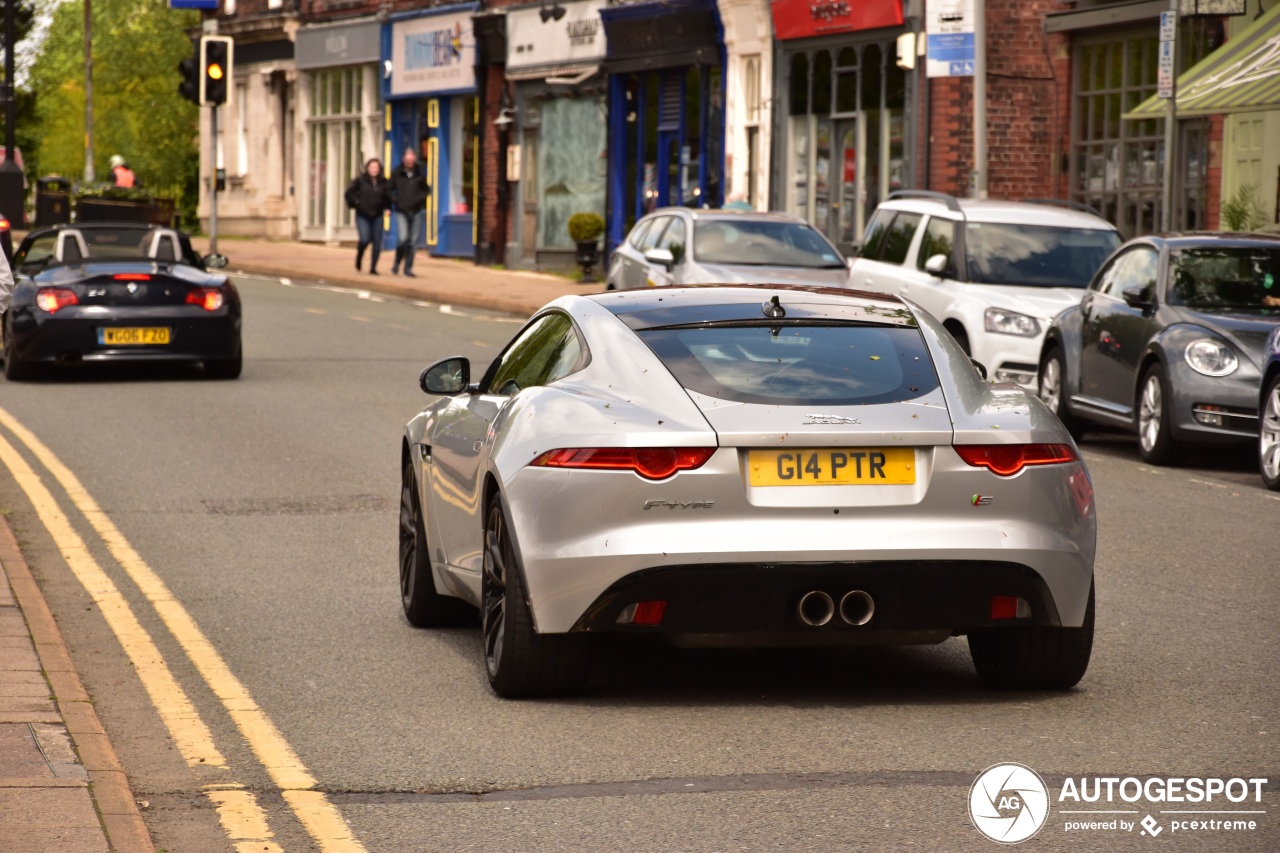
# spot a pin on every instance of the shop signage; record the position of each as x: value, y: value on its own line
x: 949, y: 38
x: 433, y: 54
x: 348, y: 44
x: 536, y: 39
x: 794, y: 19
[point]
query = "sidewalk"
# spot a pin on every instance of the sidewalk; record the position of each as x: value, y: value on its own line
x: 62, y: 789
x: 445, y: 280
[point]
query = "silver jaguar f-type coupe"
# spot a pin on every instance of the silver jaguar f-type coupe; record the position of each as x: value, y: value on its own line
x: 744, y: 466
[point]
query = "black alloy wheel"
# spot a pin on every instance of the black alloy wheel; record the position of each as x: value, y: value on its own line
x: 520, y: 662
x: 1053, y: 384
x: 423, y: 606
x: 14, y: 370
x: 1033, y: 658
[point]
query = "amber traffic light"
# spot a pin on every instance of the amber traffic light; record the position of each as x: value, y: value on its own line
x: 215, y: 69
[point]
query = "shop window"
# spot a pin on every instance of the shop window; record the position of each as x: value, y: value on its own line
x: 800, y: 84
x: 570, y: 172
x: 335, y: 144
x: 847, y: 81
x: 822, y: 83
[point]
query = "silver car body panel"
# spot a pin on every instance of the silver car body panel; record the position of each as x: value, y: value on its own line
x: 580, y: 531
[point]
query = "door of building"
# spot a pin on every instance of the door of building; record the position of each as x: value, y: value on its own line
x: 529, y: 194
x: 846, y: 230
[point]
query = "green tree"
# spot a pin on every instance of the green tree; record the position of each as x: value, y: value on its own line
x: 138, y: 113
x: 24, y: 13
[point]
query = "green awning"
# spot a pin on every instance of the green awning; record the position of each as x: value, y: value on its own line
x: 1241, y: 76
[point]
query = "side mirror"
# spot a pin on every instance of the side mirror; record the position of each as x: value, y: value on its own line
x: 979, y: 366
x: 662, y: 257
x: 937, y: 265
x: 1137, y: 297
x: 447, y: 377
x: 215, y: 261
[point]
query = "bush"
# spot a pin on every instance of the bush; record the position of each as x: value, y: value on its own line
x: 586, y: 227
x: 1242, y: 212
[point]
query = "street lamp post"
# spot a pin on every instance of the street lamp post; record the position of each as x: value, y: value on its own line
x: 89, y: 177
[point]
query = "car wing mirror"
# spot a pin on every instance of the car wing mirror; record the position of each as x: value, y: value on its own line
x: 1137, y: 297
x: 215, y: 261
x: 937, y: 265
x: 446, y: 378
x: 662, y: 257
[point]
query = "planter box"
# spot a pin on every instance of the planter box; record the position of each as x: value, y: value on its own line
x: 112, y: 210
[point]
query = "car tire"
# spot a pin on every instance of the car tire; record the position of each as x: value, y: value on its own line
x: 15, y: 370
x: 225, y: 368
x: 1156, y: 444
x: 521, y: 663
x: 1053, y: 375
x: 1269, y: 436
x: 424, y: 606
x: 1033, y: 658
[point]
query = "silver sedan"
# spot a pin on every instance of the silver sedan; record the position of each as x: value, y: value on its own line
x: 744, y: 466
x: 676, y: 245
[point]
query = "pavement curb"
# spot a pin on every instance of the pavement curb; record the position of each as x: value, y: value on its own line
x: 112, y: 796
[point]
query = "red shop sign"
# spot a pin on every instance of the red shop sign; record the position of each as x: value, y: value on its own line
x: 794, y: 19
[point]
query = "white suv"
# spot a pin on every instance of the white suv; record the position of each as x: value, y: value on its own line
x: 993, y: 272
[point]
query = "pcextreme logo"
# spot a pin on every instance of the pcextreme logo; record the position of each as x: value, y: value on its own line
x: 1008, y: 803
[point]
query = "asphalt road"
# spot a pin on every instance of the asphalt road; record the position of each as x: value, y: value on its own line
x: 267, y: 506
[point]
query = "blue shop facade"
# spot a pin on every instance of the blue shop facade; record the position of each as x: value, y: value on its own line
x: 432, y: 106
x: 666, y: 67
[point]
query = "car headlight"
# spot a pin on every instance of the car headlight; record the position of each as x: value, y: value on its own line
x: 1004, y: 322
x: 1212, y: 358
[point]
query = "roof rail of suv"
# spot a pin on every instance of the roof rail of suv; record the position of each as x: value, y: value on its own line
x: 1062, y: 202
x: 949, y: 200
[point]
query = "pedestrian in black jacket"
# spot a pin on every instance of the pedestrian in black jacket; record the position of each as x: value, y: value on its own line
x: 409, y: 193
x: 367, y: 195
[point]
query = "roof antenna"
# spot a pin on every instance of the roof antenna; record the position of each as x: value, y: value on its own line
x: 773, y: 309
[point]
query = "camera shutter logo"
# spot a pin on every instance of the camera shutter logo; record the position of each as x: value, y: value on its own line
x: 1008, y: 803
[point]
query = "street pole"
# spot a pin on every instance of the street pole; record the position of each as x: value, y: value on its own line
x: 213, y: 183
x: 980, y: 98
x: 1170, y: 131
x: 88, y: 93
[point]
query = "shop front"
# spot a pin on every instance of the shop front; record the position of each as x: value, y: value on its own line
x: 666, y: 109
x: 339, y: 95
x: 557, y: 159
x: 432, y: 108
x: 842, y: 140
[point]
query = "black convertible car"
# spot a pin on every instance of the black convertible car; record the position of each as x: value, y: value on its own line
x: 119, y: 292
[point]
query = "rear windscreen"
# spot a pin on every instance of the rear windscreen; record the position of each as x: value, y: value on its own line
x: 798, y: 365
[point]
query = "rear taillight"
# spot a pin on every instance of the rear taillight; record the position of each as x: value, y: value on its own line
x: 4, y: 224
x: 652, y: 463
x: 1006, y: 460
x: 208, y: 298
x: 53, y: 299
x: 132, y: 276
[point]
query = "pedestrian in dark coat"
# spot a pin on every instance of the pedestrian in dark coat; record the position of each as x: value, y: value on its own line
x: 409, y: 193
x: 367, y: 196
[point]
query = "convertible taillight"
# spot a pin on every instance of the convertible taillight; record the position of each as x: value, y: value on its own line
x: 652, y: 463
x: 52, y: 299
x: 208, y: 298
x: 1005, y: 460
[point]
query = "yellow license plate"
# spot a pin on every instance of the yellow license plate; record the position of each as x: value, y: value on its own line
x: 821, y: 466
x: 134, y: 336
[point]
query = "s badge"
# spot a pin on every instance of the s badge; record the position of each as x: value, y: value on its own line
x: 982, y: 500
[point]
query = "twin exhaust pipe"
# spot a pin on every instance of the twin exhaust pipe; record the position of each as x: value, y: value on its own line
x: 816, y: 608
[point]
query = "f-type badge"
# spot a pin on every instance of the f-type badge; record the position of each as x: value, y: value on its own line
x: 679, y: 504
x: 831, y: 420
x: 982, y: 500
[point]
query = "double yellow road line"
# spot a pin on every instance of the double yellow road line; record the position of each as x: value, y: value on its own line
x: 242, y: 817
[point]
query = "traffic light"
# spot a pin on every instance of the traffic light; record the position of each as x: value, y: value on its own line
x: 215, y: 69
x: 189, y: 68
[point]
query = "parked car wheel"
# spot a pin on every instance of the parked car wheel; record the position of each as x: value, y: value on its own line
x: 1036, y: 658
x: 521, y: 662
x: 14, y: 370
x: 1052, y: 382
x: 1156, y: 444
x: 1269, y: 437
x: 424, y: 607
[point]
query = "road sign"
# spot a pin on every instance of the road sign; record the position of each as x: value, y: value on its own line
x: 1168, y: 53
x: 211, y: 5
x: 949, y: 38
x: 1168, y: 26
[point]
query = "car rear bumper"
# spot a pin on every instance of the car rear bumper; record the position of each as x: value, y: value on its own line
x: 733, y: 604
x: 72, y: 338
